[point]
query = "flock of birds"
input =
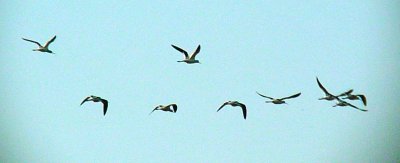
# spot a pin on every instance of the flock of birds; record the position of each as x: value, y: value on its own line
x: 191, y: 59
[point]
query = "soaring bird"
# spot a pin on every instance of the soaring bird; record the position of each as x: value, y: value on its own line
x: 41, y: 48
x: 97, y: 99
x: 329, y: 96
x: 279, y: 100
x: 344, y: 103
x: 234, y: 104
x: 188, y: 59
x: 355, y: 97
x: 170, y: 108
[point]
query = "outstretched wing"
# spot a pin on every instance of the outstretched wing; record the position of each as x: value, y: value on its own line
x: 292, y: 96
x: 323, y: 88
x: 174, y: 107
x: 364, y: 99
x: 265, y: 96
x: 181, y: 50
x: 346, y: 93
x: 153, y: 110
x: 50, y: 41
x: 105, y: 106
x: 195, y: 53
x: 32, y: 41
x: 222, y: 106
x: 355, y: 107
x: 86, y: 99
x: 244, y: 110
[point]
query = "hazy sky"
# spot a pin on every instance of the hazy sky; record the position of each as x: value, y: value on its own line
x: 121, y: 51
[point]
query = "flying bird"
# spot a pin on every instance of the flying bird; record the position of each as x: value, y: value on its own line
x: 97, y: 99
x: 329, y: 96
x: 41, y: 48
x: 234, y: 104
x: 170, y: 108
x: 355, y: 97
x: 344, y: 103
x: 188, y: 59
x: 279, y: 100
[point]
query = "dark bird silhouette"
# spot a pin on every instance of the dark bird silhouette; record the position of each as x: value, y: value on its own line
x: 170, y: 108
x: 97, y: 99
x: 344, y: 103
x: 234, y: 104
x: 41, y: 48
x: 188, y: 59
x: 355, y: 97
x: 329, y: 96
x: 279, y: 100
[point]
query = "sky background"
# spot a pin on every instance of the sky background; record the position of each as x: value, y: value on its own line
x: 121, y: 52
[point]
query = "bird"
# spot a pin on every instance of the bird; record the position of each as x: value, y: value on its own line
x: 188, y: 59
x: 356, y: 97
x: 44, y: 48
x: 344, y: 103
x: 234, y: 104
x: 166, y: 108
x: 279, y: 100
x: 329, y: 96
x: 97, y: 99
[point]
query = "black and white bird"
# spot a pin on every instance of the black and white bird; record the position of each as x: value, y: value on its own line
x: 170, y: 108
x: 234, y: 104
x: 355, y: 97
x: 329, y: 96
x: 344, y: 103
x: 188, y: 59
x: 279, y: 100
x: 97, y: 99
x: 41, y: 48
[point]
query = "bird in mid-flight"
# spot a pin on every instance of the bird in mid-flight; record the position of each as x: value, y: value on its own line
x: 41, y: 48
x: 355, y: 97
x: 234, y: 104
x: 170, y: 108
x: 97, y: 99
x: 344, y: 103
x: 188, y: 59
x: 279, y: 100
x: 329, y: 96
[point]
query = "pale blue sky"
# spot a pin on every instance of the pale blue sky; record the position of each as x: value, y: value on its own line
x: 121, y: 51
